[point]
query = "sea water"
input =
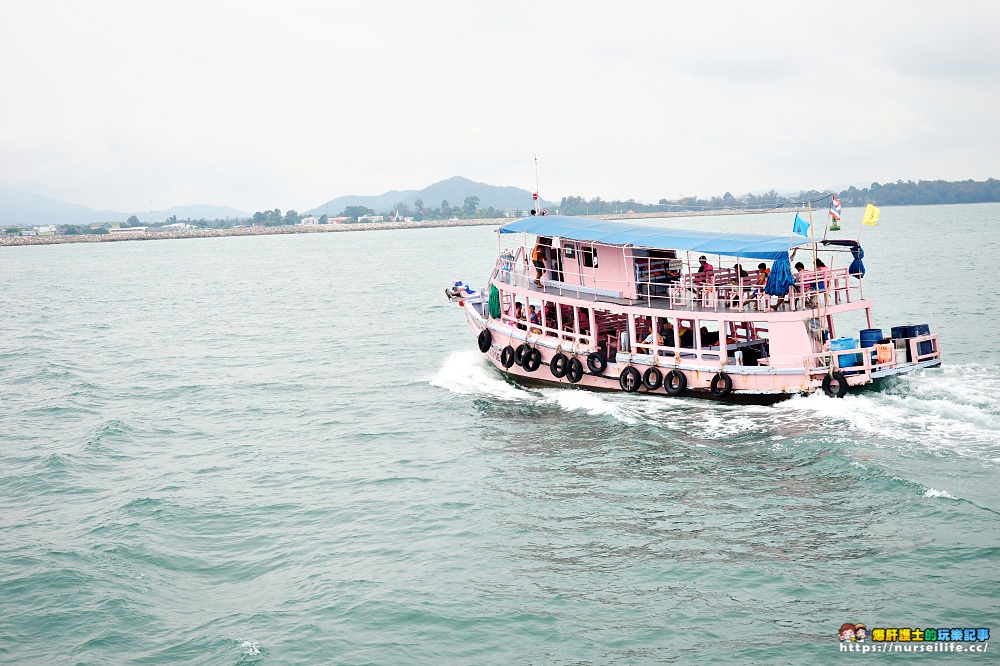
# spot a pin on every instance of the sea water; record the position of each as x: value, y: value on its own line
x: 288, y: 449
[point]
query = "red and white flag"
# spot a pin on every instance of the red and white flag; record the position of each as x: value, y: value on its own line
x: 835, y: 208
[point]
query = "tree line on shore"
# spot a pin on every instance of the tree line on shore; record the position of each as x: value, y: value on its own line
x: 900, y: 193
x: 924, y: 192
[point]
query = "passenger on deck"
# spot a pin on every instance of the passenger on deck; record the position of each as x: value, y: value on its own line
x: 643, y: 326
x: 519, y: 314
x: 705, y: 271
x: 799, y: 278
x: 763, y: 272
x: 533, y: 318
x: 539, y: 256
x: 823, y: 273
x: 709, y: 338
x: 649, y: 340
x: 550, y: 316
x: 667, y: 333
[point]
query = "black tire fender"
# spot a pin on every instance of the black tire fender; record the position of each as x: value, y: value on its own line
x: 675, y: 382
x: 559, y: 365
x: 574, y: 371
x: 521, y: 353
x: 722, y: 384
x: 652, y: 379
x: 532, y: 359
x: 485, y: 340
x: 507, y: 356
x: 835, y: 385
x: 596, y: 363
x: 630, y: 380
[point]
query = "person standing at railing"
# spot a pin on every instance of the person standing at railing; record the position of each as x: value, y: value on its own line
x: 539, y: 256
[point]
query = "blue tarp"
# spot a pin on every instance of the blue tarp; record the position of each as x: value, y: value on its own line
x: 857, y: 266
x: 750, y: 246
x: 781, y: 278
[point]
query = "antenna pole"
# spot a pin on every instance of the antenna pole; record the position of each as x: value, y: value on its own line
x: 537, y: 209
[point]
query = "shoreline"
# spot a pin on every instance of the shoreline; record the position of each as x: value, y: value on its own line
x: 17, y: 241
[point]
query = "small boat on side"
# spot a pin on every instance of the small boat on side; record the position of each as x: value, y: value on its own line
x: 622, y: 307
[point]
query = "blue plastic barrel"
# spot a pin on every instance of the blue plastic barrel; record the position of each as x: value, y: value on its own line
x: 899, y: 332
x: 919, y: 329
x: 845, y: 360
x: 870, y: 336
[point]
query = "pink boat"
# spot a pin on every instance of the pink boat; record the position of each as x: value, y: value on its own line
x: 622, y: 307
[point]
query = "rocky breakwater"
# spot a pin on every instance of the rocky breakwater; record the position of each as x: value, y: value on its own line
x: 10, y: 241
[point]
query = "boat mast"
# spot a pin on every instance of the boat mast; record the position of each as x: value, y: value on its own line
x: 537, y: 210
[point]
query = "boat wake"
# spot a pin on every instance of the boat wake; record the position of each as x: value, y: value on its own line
x: 954, y: 409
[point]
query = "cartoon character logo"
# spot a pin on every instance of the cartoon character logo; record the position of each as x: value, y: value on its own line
x: 860, y: 632
x: 846, y: 632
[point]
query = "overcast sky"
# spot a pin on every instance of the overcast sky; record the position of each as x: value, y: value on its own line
x: 259, y: 104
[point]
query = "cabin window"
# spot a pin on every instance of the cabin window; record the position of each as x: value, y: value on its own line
x: 589, y: 255
x: 569, y: 252
x: 685, y: 333
x: 643, y: 326
x: 550, y: 320
x: 667, y: 328
x: 709, y: 333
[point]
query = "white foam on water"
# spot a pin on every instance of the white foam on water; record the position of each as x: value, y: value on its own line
x: 933, y: 492
x: 955, y: 410
x: 595, y: 404
x: 250, y: 647
x: 468, y: 373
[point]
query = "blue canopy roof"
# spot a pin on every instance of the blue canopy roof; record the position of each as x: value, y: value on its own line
x: 751, y: 246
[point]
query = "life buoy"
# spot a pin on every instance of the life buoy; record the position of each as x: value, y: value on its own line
x: 507, y: 356
x: 532, y: 359
x: 722, y: 384
x: 520, y: 352
x: 629, y: 380
x: 835, y: 385
x: 485, y: 340
x: 574, y: 371
x: 596, y: 363
x: 652, y: 379
x: 675, y: 382
x: 558, y: 365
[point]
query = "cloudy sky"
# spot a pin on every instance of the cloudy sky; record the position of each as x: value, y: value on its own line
x: 261, y: 104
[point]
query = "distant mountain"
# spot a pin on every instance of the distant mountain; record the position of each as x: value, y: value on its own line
x: 19, y: 208
x: 377, y: 202
x: 454, y: 190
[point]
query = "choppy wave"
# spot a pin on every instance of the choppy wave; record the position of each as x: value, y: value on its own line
x: 256, y: 457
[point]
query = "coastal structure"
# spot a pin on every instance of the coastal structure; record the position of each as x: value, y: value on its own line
x: 613, y: 306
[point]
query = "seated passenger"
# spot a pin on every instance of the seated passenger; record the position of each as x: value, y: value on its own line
x: 643, y: 326
x: 705, y: 271
x: 709, y: 338
x: 667, y: 333
x: 649, y: 340
x: 687, y: 338
x: 743, y: 287
x: 519, y: 314
x: 823, y: 273
x: 763, y: 272
x: 534, y: 319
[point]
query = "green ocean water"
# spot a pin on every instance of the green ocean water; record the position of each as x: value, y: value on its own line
x: 288, y: 449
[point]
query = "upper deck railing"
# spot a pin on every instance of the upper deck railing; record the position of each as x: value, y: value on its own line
x: 718, y: 290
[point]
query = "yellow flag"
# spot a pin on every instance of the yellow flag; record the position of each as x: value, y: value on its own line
x: 871, y: 216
